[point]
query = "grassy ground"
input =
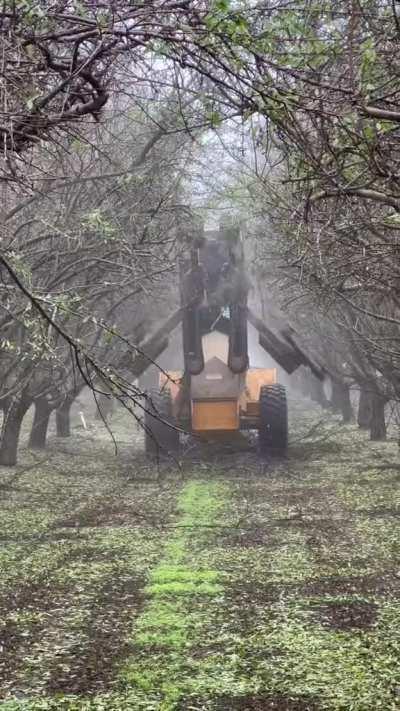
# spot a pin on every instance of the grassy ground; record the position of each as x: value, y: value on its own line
x: 220, y: 584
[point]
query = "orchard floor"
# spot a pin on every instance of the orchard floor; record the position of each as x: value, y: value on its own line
x: 217, y: 583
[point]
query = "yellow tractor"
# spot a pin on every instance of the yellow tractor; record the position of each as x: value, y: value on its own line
x: 217, y: 394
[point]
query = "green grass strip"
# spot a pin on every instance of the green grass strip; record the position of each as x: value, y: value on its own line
x: 180, y: 590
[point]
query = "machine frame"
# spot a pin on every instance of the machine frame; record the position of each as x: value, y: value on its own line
x: 218, y: 393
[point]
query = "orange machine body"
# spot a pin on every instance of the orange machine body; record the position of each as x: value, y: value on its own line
x: 219, y: 401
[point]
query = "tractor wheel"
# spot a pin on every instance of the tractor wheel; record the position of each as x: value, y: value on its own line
x: 273, y: 427
x: 160, y: 439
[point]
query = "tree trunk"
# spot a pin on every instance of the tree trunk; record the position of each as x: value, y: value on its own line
x: 377, y: 420
x: 105, y: 407
x: 43, y: 410
x: 63, y: 419
x: 340, y: 401
x: 10, y: 431
x: 317, y: 392
x: 301, y: 382
x: 335, y: 396
x: 364, y: 409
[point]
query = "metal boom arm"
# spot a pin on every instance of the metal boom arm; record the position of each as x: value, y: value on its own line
x: 287, y: 353
x: 151, y: 348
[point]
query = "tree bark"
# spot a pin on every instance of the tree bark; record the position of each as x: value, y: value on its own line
x: 10, y: 431
x: 43, y: 410
x: 301, y: 382
x: 317, y: 392
x: 340, y: 401
x: 105, y: 407
x: 364, y: 409
x: 63, y: 419
x: 335, y: 396
x: 377, y: 421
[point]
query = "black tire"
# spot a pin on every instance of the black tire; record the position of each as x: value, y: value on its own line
x: 160, y: 439
x: 273, y: 426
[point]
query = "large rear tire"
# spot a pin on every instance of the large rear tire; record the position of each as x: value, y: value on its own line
x: 160, y: 438
x: 273, y: 426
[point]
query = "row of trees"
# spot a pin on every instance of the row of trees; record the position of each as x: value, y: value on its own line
x: 99, y: 128
x: 323, y: 184
x: 88, y: 268
x: 339, y: 185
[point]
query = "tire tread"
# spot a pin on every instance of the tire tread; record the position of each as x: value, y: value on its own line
x: 273, y: 426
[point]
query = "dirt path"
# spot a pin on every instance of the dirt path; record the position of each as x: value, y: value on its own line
x: 223, y: 584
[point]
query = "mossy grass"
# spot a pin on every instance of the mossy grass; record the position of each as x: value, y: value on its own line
x: 247, y: 581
